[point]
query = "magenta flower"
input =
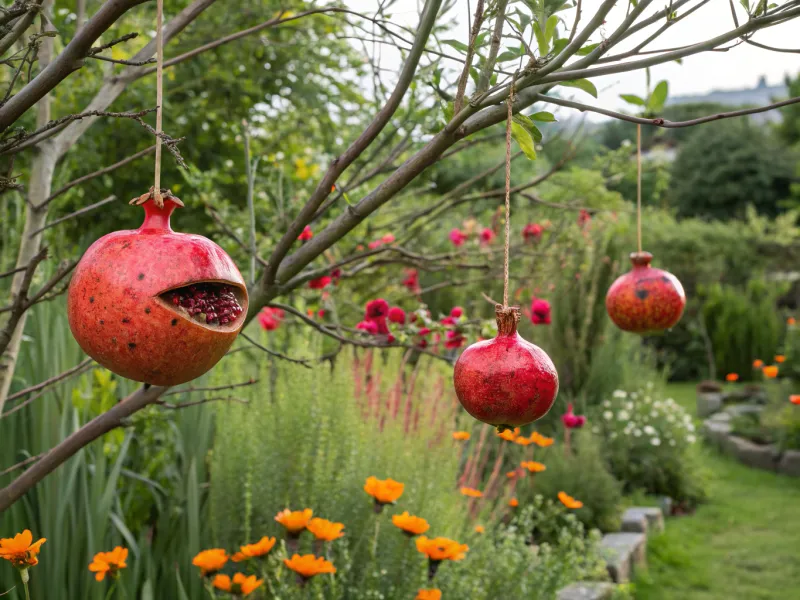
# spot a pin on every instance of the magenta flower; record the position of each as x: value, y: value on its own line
x: 532, y: 232
x: 571, y: 420
x: 456, y: 312
x: 458, y: 237
x: 487, y: 235
x: 306, y: 235
x: 320, y: 282
x: 540, y: 312
x: 376, y: 309
x: 397, y: 315
x: 370, y: 327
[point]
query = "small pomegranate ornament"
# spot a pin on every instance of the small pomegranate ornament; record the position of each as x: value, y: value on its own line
x: 645, y: 300
x: 154, y: 305
x: 506, y: 381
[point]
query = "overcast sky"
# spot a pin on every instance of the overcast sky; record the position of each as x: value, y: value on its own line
x: 738, y: 68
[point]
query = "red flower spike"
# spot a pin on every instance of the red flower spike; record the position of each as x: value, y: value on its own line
x: 397, y: 315
x: 306, y: 234
x: 154, y: 305
x: 320, y: 283
x: 506, y: 381
x: 646, y: 299
x: 376, y: 309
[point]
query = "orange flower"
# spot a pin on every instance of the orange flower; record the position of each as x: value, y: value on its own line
x: 513, y: 503
x: 109, y: 563
x: 20, y: 551
x: 385, y: 491
x: 758, y: 363
x: 309, y: 565
x: 471, y: 492
x: 433, y: 594
x: 410, y: 525
x: 512, y: 474
x: 540, y: 440
x: 326, y: 530
x: 294, y: 521
x: 569, y: 501
x: 260, y: 548
x: 439, y: 549
x: 509, y: 435
x: 780, y: 358
x: 524, y: 441
x: 795, y: 399
x: 210, y: 561
x: 240, y: 586
x: 461, y: 436
x: 532, y: 466
x: 770, y: 372
x: 791, y: 321
x: 732, y: 377
x: 479, y: 529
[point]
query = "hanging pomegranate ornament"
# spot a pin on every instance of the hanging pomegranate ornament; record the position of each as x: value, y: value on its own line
x: 154, y: 305
x: 506, y: 381
x: 646, y: 299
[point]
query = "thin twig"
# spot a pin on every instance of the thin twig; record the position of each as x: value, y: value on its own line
x: 297, y: 361
x: 20, y: 464
x: 72, y: 215
x: 192, y: 390
x: 180, y: 405
x: 51, y: 381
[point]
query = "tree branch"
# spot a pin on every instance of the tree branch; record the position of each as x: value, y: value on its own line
x: 53, y: 380
x: 72, y: 215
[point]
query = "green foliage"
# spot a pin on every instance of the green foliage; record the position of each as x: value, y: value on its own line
x: 583, y: 474
x: 789, y: 128
x: 717, y: 175
x: 649, y: 443
x: 742, y: 324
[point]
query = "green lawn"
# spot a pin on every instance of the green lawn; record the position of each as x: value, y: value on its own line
x: 743, y: 543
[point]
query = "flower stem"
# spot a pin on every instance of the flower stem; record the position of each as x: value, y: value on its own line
x: 27, y: 591
x: 110, y: 592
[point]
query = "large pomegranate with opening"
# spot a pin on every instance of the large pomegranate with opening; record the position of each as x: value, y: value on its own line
x: 506, y: 381
x: 154, y: 305
x: 646, y: 299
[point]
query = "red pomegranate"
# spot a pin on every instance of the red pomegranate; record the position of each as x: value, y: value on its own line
x: 645, y: 300
x: 154, y: 305
x: 506, y: 381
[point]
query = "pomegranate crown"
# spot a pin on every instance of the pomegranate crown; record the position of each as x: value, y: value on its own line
x: 507, y: 319
x: 158, y: 198
x: 156, y: 212
x: 641, y: 259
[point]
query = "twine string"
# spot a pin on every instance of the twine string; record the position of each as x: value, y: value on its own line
x: 639, y: 185
x: 509, y: 119
x: 159, y: 95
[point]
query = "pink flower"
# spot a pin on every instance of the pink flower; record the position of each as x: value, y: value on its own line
x: 448, y: 321
x: 321, y: 313
x: 388, y: 239
x: 583, y: 218
x: 571, y: 420
x: 370, y: 327
x: 383, y: 328
x: 454, y: 340
x: 376, y: 309
x: 456, y: 312
x: 270, y: 318
x: 424, y: 332
x: 458, y: 237
x: 397, y: 315
x: 320, y: 282
x: 306, y: 235
x: 540, y: 312
x: 336, y: 274
x: 487, y: 235
x: 532, y: 232
x: 412, y: 280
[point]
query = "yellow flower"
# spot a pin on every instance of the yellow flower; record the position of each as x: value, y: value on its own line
x: 479, y: 529
x: 109, y: 563
x: 524, y: 441
x: 461, y: 436
x: 770, y: 372
x: 241, y: 585
x: 384, y: 491
x: 210, y: 561
x: 540, y: 440
x: 326, y: 530
x: 260, y: 548
x: 569, y: 501
x: 509, y: 435
x: 409, y: 524
x: 433, y: 594
x: 513, y: 503
x: 294, y: 521
x: 438, y: 549
x: 20, y: 551
x: 309, y: 565
x: 532, y: 466
x: 471, y: 492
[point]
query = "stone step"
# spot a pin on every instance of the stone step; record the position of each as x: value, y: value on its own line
x: 587, y: 590
x: 643, y: 519
x: 623, y: 553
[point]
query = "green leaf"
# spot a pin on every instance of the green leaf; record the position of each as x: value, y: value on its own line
x: 559, y: 45
x: 473, y: 73
x: 550, y: 29
x: 540, y: 39
x: 582, y: 84
x: 509, y: 54
x: 447, y: 108
x: 587, y: 49
x: 529, y: 126
x: 461, y: 47
x: 523, y: 138
x: 633, y: 99
x: 544, y: 117
x: 481, y: 39
x: 656, y: 101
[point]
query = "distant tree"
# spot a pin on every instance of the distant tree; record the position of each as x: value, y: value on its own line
x: 723, y: 167
x: 789, y: 129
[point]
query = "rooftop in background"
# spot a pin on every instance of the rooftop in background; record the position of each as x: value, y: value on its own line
x: 760, y: 95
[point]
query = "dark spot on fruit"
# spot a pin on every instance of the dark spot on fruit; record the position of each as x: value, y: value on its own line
x: 102, y: 322
x: 126, y: 245
x: 665, y: 278
x: 140, y: 276
x: 91, y: 299
x: 174, y: 322
x: 126, y: 320
x: 131, y: 345
x: 147, y: 310
x: 114, y: 340
x: 642, y: 294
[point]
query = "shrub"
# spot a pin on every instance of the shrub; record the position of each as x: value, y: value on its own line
x: 709, y: 385
x: 648, y: 443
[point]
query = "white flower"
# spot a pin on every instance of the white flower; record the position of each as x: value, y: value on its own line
x: 649, y: 385
x: 608, y: 415
x: 607, y: 403
x: 672, y: 442
x: 629, y: 405
x: 595, y: 429
x: 671, y: 418
x: 634, y: 395
x: 653, y: 413
x: 623, y: 415
x: 637, y: 432
x: 691, y: 439
x: 690, y: 427
x: 620, y: 394
x: 649, y: 430
x: 655, y: 441
x: 613, y: 435
x: 647, y: 399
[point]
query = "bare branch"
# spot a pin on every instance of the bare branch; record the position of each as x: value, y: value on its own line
x: 192, y: 389
x: 297, y: 361
x: 494, y: 47
x: 18, y: 306
x: 53, y: 380
x: 77, y: 213
x: 20, y: 464
x: 473, y: 36
x: 180, y: 405
x: 20, y: 26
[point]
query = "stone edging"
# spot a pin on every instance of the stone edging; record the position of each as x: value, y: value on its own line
x: 718, y: 431
x: 624, y: 551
